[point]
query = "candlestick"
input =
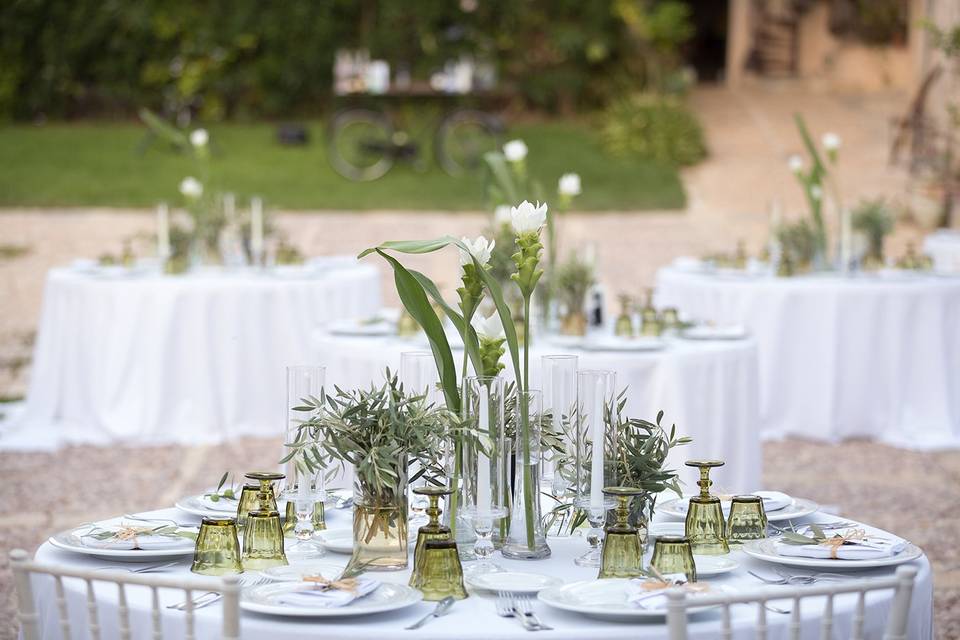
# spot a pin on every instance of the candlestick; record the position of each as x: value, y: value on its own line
x: 256, y: 229
x: 483, y: 460
x: 163, y: 231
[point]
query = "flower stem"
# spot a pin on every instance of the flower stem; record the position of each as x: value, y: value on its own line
x: 528, y: 495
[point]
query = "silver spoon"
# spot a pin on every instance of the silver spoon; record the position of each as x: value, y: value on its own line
x: 442, y: 607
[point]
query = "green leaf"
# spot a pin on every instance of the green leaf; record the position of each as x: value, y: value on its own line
x: 410, y: 246
x: 502, y: 175
x: 164, y: 129
x: 470, y: 341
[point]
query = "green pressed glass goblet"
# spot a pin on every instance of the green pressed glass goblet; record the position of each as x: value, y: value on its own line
x: 622, y: 549
x: 248, y: 502
x: 266, y: 496
x: 433, y: 530
x: 747, y: 520
x: 673, y: 554
x: 705, y: 525
x: 217, y: 552
x: 441, y: 574
x: 263, y: 541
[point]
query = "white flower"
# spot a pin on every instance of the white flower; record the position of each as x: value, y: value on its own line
x: 490, y: 328
x: 831, y: 141
x: 479, y: 249
x: 795, y: 162
x: 528, y: 217
x: 515, y: 150
x: 816, y: 192
x: 199, y: 138
x: 569, y: 185
x: 190, y: 187
x: 501, y: 215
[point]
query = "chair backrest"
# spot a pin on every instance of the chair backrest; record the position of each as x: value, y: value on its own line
x: 23, y: 566
x: 896, y: 629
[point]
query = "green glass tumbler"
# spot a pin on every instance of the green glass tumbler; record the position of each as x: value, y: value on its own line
x: 263, y: 541
x: 248, y: 502
x: 290, y: 517
x: 441, y: 574
x: 705, y: 526
x: 622, y: 549
x: 432, y: 531
x: 217, y: 552
x: 674, y: 554
x: 747, y: 520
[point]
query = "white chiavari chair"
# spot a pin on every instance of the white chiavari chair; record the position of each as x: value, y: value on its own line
x: 23, y: 567
x: 896, y: 628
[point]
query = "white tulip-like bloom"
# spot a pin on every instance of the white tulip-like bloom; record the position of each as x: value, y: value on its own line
x: 569, y: 185
x: 490, y: 327
x: 479, y: 249
x: 190, y: 187
x: 501, y: 215
x: 515, y: 150
x: 795, y: 162
x: 528, y: 217
x: 816, y: 192
x: 199, y: 138
x: 831, y: 141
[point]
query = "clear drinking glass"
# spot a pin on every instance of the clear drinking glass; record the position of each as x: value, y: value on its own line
x: 596, y: 454
x: 559, y: 380
x: 526, y: 539
x: 484, y: 474
x: 418, y: 376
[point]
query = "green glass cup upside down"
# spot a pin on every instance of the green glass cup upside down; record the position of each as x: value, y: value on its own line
x: 747, y: 520
x: 263, y: 541
x: 290, y: 517
x: 433, y: 530
x: 622, y: 550
x: 437, y: 570
x: 705, y: 526
x: 217, y: 552
x: 673, y: 554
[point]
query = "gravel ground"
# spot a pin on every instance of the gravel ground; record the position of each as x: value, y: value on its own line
x: 913, y: 494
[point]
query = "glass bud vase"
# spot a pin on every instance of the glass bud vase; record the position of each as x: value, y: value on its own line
x: 526, y: 539
x: 380, y: 524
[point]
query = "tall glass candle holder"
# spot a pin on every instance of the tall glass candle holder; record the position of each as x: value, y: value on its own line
x: 596, y: 454
x: 304, y: 385
x: 559, y: 381
x: 418, y: 376
x: 485, y: 478
x: 526, y: 539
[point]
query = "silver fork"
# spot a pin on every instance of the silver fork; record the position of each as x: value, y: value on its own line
x: 523, y: 606
x: 505, y: 609
x: 208, y: 598
x: 147, y: 569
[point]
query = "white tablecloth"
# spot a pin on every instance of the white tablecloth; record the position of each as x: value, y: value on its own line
x: 708, y: 389
x: 474, y: 618
x: 840, y: 358
x: 186, y: 359
x: 943, y: 247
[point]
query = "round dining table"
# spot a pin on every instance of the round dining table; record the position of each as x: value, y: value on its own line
x: 707, y: 388
x: 138, y: 357
x: 943, y: 247
x: 867, y: 355
x: 473, y: 618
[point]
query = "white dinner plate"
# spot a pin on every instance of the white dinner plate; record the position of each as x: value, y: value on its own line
x: 355, y: 328
x: 613, y: 343
x: 513, y: 581
x: 702, y: 332
x: 194, y: 505
x: 70, y: 541
x: 713, y: 565
x: 337, y: 540
x: 604, y: 599
x: 799, y: 508
x: 295, y: 572
x: 660, y: 529
x: 765, y: 550
x: 387, y: 597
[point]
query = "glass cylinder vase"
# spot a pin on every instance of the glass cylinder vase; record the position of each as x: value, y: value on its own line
x: 380, y: 522
x: 304, y: 385
x: 559, y: 380
x: 526, y: 539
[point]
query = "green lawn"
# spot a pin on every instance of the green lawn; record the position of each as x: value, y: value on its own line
x: 97, y: 164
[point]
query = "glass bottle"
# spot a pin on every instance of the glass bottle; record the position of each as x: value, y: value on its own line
x: 526, y: 539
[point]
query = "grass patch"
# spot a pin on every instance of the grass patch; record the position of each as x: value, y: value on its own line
x: 96, y: 164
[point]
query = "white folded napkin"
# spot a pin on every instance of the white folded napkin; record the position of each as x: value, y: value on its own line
x: 146, y: 543
x: 310, y: 596
x: 223, y: 504
x: 871, y: 548
x: 642, y: 598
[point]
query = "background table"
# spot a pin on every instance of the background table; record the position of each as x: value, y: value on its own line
x: 178, y: 359
x: 707, y: 388
x: 865, y: 356
x: 474, y: 618
x: 943, y: 247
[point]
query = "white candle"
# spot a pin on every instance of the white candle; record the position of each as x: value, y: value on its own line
x: 256, y: 228
x: 163, y: 231
x: 596, y: 463
x: 483, y: 460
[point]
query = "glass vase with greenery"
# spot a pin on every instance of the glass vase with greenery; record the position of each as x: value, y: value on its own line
x: 573, y: 280
x: 874, y: 220
x: 377, y: 431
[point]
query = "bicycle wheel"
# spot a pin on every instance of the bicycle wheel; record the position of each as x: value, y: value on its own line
x: 462, y: 139
x: 360, y: 144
